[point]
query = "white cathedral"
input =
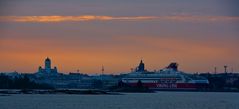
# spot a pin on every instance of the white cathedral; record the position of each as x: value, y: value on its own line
x: 47, y: 69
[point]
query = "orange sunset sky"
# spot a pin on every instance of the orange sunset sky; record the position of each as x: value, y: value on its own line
x: 84, y: 35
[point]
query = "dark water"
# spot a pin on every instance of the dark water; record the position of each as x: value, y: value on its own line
x: 160, y: 100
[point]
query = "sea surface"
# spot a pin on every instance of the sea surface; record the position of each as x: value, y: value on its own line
x: 159, y: 100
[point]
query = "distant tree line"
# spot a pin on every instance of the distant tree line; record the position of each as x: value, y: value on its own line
x: 23, y: 82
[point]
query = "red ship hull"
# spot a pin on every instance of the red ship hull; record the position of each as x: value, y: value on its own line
x: 173, y: 86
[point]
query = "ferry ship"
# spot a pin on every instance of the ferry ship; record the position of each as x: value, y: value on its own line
x: 169, y: 78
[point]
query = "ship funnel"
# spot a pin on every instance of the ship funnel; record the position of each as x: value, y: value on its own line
x: 173, y: 66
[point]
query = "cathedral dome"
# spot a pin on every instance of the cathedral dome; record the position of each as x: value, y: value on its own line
x: 47, y: 59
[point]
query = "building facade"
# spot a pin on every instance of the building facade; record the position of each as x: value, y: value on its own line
x: 47, y: 69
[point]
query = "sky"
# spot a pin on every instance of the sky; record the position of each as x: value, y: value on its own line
x: 88, y: 34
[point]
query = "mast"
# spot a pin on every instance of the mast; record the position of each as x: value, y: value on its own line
x: 102, y: 72
x: 215, y: 70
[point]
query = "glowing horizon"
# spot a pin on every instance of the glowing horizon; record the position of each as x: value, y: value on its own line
x: 114, y: 59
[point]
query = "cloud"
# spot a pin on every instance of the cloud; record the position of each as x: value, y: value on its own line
x: 82, y: 18
x: 69, y: 18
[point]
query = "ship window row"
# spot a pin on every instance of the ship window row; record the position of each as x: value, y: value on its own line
x: 151, y: 81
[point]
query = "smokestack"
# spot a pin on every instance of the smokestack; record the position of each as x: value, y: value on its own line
x: 225, y: 68
x: 215, y: 70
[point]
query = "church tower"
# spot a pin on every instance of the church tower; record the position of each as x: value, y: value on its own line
x: 48, y: 65
x: 47, y: 69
